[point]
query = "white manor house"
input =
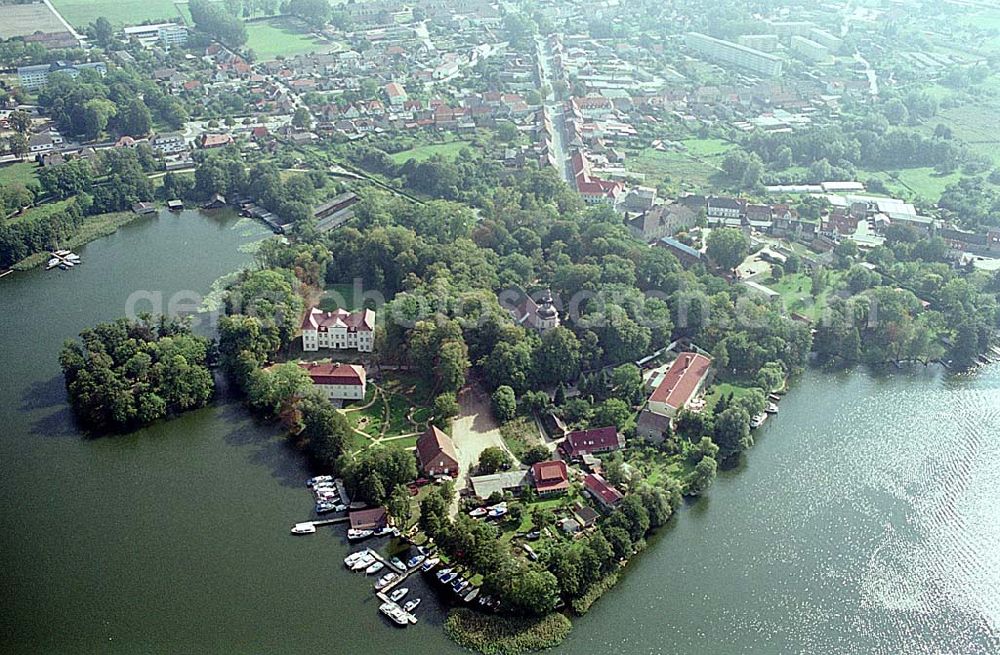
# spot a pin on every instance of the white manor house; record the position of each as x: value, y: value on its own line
x: 338, y: 330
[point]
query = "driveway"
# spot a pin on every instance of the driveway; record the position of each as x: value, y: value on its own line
x: 473, y: 431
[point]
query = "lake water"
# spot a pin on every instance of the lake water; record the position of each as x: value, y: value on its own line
x: 864, y: 521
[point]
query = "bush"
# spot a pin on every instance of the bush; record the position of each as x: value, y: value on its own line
x: 503, y: 635
x: 582, y: 604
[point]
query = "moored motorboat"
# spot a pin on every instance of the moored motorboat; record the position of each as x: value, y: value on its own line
x: 364, y: 562
x: 353, y: 558
x: 394, y: 612
x: 411, y: 604
x: 430, y: 564
x: 398, y: 594
x: 375, y: 567
x: 772, y: 408
x: 386, y: 580
x: 303, y: 528
x: 357, y: 535
x: 758, y: 420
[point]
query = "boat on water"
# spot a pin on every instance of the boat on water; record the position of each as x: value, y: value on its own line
x: 55, y: 261
x: 387, y: 530
x: 357, y: 535
x: 415, y: 561
x: 394, y: 612
x: 398, y: 594
x: 772, y: 408
x: 398, y: 563
x: 323, y: 507
x: 758, y: 420
x: 411, y: 604
x: 311, y: 482
x: 353, y: 558
x: 430, y: 564
x: 459, y: 585
x: 442, y: 573
x: 449, y: 577
x: 363, y: 562
x: 375, y: 567
x: 303, y: 528
x: 386, y: 580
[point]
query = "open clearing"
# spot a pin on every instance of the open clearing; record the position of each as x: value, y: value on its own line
x: 25, y: 173
x: 423, y: 153
x: 283, y: 37
x: 120, y: 12
x: 22, y: 20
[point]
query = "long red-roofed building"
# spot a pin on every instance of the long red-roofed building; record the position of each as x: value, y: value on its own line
x: 338, y: 381
x: 590, y: 442
x: 684, y: 380
x: 602, y: 491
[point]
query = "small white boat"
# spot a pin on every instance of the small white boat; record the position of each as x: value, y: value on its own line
x: 55, y: 261
x: 478, y: 512
x: 386, y: 580
x: 758, y: 420
x: 356, y: 535
x: 411, y: 604
x: 772, y: 408
x: 364, y: 562
x: 374, y: 568
x: 303, y: 528
x: 393, y: 611
x: 397, y: 594
x: 319, y: 478
x: 430, y: 564
x: 353, y: 558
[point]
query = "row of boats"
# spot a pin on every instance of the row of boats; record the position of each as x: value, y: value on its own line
x: 367, y: 561
x: 492, y: 512
x: 328, y: 498
x: 463, y: 588
x: 757, y: 421
x: 63, y: 259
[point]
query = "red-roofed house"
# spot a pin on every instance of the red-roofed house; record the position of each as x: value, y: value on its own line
x: 550, y: 477
x: 396, y: 94
x: 684, y: 380
x: 338, y: 329
x: 436, y: 453
x: 592, y: 189
x: 589, y: 442
x: 208, y: 141
x: 601, y: 490
x: 338, y: 381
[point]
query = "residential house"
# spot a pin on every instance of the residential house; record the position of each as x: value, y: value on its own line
x: 602, y: 491
x: 591, y: 442
x: 652, y: 426
x: 436, y: 453
x: 375, y: 518
x: 550, y: 478
x: 485, y: 486
x: 338, y: 330
x: 168, y: 143
x: 209, y: 141
x: 662, y: 221
x: 338, y: 381
x: 684, y: 380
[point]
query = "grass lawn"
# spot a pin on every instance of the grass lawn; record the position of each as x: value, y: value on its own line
x: 519, y: 435
x: 707, y: 147
x: 283, y: 37
x: 24, y: 173
x: 796, y: 293
x: 386, y: 417
x: 120, y: 12
x: 421, y: 153
x: 681, y: 171
x: 922, y: 182
x: 723, y: 389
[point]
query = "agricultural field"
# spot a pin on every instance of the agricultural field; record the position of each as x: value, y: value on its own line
x: 283, y: 37
x: 422, y: 153
x: 22, y: 20
x: 80, y: 13
x: 923, y: 183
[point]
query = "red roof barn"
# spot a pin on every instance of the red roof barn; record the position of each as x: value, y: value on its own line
x: 601, y: 491
x: 597, y: 440
x: 436, y: 453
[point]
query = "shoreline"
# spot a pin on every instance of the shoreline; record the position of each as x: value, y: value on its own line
x: 93, y: 228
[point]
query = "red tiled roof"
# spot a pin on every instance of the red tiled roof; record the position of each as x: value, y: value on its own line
x: 550, y: 476
x: 394, y: 90
x: 680, y: 382
x: 598, y: 486
x: 433, y: 445
x: 334, y: 373
x: 317, y: 319
x: 591, y: 441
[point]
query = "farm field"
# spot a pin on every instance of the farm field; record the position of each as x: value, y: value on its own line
x: 80, y: 13
x: 422, y: 153
x: 22, y: 20
x: 282, y: 37
x: 924, y: 183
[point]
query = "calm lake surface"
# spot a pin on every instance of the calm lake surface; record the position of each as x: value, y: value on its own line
x: 864, y: 521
